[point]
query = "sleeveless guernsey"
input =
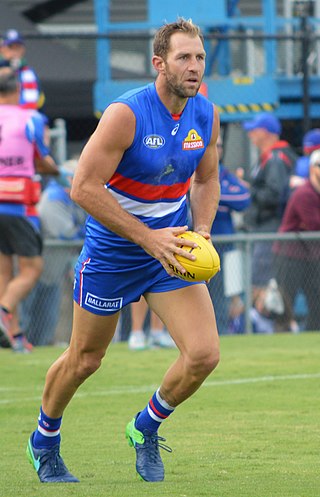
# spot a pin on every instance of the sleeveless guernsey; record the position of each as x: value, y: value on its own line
x: 151, y: 182
x: 153, y: 177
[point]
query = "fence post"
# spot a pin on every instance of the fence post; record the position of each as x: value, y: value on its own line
x: 248, y: 284
x: 59, y: 133
x: 305, y: 30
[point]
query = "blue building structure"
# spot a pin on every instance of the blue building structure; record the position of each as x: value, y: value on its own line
x: 254, y: 63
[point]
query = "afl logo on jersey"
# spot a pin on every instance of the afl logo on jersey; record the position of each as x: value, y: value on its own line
x: 154, y: 141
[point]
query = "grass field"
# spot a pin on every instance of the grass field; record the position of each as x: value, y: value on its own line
x: 252, y: 430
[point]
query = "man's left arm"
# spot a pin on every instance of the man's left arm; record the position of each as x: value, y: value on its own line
x: 205, y: 189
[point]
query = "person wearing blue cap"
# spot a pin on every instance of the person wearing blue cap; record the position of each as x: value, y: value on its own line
x: 269, y: 190
x: 264, y: 121
x: 12, y: 54
x: 270, y: 176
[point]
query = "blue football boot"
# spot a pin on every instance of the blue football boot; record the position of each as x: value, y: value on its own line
x: 49, y: 464
x: 149, y: 464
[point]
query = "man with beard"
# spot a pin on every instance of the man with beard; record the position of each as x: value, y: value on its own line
x: 132, y: 178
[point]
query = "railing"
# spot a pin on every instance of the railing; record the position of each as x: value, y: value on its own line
x: 244, y: 242
x: 47, y: 312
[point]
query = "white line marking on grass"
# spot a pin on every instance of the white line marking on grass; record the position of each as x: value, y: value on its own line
x: 259, y: 379
x: 126, y: 389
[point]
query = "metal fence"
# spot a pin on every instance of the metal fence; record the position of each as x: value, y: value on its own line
x: 241, y: 306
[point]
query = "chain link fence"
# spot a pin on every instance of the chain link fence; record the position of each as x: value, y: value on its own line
x: 289, y: 302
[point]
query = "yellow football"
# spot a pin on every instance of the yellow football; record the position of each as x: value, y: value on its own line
x: 206, y: 264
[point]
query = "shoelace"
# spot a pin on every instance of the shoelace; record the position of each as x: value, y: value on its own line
x: 55, y: 461
x: 152, y: 442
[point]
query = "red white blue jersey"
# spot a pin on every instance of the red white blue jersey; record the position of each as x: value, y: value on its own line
x: 29, y: 88
x: 153, y: 177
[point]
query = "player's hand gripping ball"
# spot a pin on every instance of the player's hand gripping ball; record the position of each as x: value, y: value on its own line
x: 207, y: 262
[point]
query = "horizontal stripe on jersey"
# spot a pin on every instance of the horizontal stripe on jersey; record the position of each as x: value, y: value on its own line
x: 158, y: 209
x: 148, y: 191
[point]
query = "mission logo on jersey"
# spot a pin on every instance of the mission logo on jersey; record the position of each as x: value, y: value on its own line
x: 192, y: 141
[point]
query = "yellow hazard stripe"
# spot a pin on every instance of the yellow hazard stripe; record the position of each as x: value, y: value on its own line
x: 246, y: 108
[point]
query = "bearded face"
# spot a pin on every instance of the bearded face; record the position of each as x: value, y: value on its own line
x: 183, y: 66
x: 183, y: 85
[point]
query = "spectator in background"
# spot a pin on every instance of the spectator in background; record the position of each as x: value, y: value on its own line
x: 61, y: 219
x: 12, y: 51
x: 297, y: 262
x: 234, y: 196
x: 269, y: 190
x: 311, y: 142
x: 22, y: 153
x: 12, y: 54
x: 158, y: 336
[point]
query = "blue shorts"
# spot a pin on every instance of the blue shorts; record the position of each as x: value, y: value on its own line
x: 103, y: 289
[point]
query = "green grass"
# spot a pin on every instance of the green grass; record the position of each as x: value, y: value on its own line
x: 252, y: 430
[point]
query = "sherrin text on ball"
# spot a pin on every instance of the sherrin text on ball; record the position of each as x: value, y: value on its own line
x: 206, y: 264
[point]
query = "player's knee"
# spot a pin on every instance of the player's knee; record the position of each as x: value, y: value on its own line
x: 210, y: 362
x: 87, y: 365
x: 204, y: 362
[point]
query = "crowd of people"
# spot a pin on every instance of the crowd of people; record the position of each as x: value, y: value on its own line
x: 278, y: 182
x: 263, y: 201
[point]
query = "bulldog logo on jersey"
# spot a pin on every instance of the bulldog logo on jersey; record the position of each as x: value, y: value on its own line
x: 193, y: 141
